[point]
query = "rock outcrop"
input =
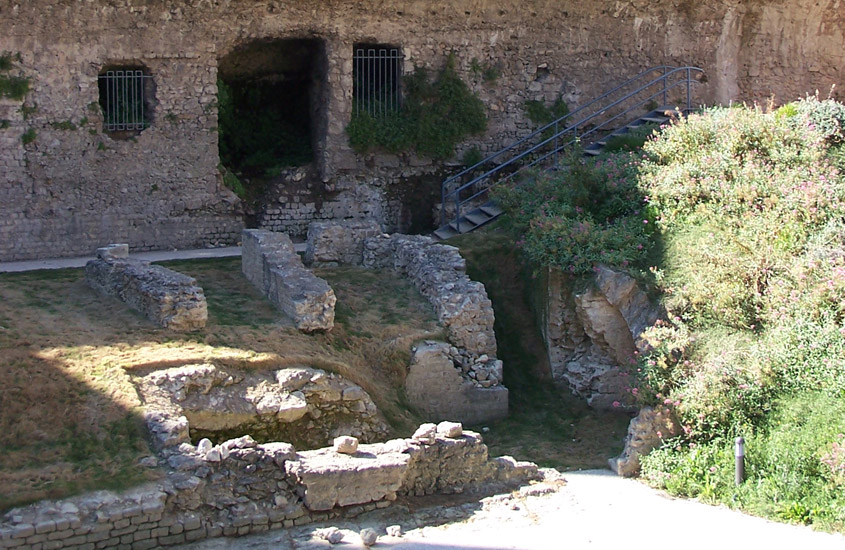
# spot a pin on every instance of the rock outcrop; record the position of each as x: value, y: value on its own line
x: 169, y: 299
x: 592, y: 335
x: 271, y: 264
x: 645, y: 433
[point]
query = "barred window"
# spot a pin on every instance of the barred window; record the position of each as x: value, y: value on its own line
x: 377, y: 73
x: 126, y: 96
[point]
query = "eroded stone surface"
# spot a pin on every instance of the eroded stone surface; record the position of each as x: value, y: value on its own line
x: 271, y: 264
x: 219, y: 402
x: 166, y: 297
x: 646, y: 432
x: 444, y: 391
x: 592, y: 335
x: 339, y: 242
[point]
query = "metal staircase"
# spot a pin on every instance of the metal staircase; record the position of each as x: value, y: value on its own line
x: 464, y: 196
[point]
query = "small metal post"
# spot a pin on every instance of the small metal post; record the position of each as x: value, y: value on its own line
x: 555, y: 145
x: 739, y: 452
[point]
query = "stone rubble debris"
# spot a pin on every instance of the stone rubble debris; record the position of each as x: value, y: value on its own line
x: 368, y: 537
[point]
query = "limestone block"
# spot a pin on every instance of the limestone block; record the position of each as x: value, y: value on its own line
x: 339, y: 242
x: 331, y: 479
x: 436, y: 387
x: 170, y: 299
x: 270, y: 263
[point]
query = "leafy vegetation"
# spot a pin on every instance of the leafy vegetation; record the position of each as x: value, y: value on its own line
x: 541, y: 114
x: 435, y: 116
x: 736, y: 218
x: 12, y: 86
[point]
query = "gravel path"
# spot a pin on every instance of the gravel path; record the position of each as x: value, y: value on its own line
x: 590, y: 509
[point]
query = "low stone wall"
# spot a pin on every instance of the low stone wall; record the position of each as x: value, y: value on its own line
x: 168, y: 298
x: 339, y: 243
x: 439, y: 273
x: 444, y: 388
x: 301, y: 405
x: 240, y: 487
x: 271, y: 264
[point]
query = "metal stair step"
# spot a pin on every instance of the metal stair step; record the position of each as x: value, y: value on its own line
x: 463, y: 226
x: 655, y: 119
x: 491, y: 210
x: 478, y: 217
x: 445, y: 232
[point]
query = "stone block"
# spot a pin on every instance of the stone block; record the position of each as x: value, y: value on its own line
x: 339, y: 242
x: 169, y: 299
x: 271, y: 264
x: 436, y: 387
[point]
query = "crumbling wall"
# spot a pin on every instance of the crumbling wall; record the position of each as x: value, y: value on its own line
x: 439, y: 273
x: 74, y: 186
x: 240, y: 487
x: 444, y: 389
x: 271, y: 264
x: 166, y: 297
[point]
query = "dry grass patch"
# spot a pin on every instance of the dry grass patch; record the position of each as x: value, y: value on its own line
x: 69, y: 410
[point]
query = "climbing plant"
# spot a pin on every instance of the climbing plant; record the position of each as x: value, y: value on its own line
x: 436, y: 115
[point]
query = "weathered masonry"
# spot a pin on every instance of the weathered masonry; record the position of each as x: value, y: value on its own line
x: 117, y: 137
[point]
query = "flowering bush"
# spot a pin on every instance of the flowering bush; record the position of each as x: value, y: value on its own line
x: 591, y: 213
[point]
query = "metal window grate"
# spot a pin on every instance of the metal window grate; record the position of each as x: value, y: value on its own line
x: 377, y: 76
x: 123, y: 100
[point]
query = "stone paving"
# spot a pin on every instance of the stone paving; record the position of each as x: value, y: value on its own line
x: 590, y: 509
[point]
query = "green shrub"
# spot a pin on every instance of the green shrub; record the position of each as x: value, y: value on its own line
x: 436, y: 115
x: 588, y: 214
x: 633, y: 140
x: 793, y: 465
x: 827, y: 117
x: 541, y: 114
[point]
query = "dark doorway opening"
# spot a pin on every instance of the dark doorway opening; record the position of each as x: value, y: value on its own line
x: 271, y: 107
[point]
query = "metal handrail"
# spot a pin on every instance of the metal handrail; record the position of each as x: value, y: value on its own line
x: 525, y: 147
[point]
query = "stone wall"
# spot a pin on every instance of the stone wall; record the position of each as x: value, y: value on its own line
x: 74, y: 185
x: 592, y: 333
x: 438, y: 386
x: 166, y: 297
x: 271, y: 264
x: 241, y: 487
x: 439, y: 273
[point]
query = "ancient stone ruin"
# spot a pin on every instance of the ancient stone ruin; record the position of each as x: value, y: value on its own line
x: 271, y: 264
x: 444, y: 383
x: 300, y: 405
x: 439, y: 272
x: 239, y: 487
x: 591, y: 335
x: 458, y: 380
x: 169, y: 299
x: 339, y: 242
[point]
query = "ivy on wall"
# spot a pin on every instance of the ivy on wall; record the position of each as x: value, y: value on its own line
x: 436, y: 115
